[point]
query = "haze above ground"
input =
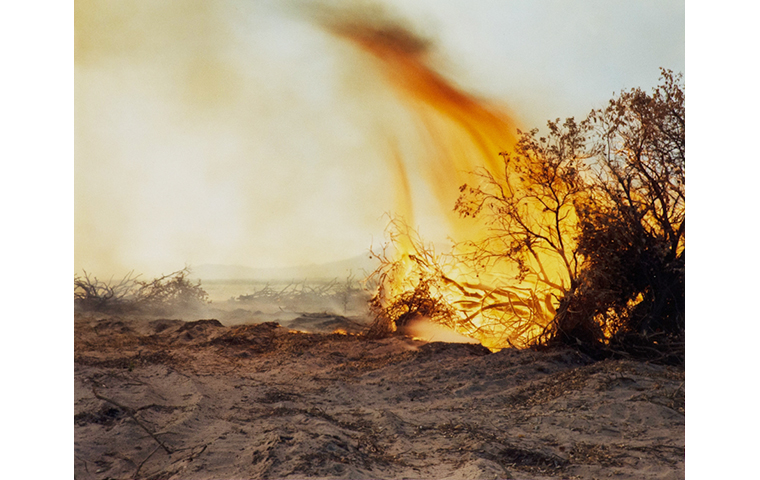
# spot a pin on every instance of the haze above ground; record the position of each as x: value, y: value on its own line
x: 240, y: 133
x: 357, y: 269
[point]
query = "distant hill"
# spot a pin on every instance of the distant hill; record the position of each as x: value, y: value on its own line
x: 359, y: 266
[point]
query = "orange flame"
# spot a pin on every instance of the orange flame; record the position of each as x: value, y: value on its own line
x: 466, y: 133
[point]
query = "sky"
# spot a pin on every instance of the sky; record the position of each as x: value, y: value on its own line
x: 244, y: 133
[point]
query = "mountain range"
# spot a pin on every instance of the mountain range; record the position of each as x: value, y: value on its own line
x: 359, y: 266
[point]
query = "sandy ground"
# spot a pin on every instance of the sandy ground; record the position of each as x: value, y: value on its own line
x: 167, y: 399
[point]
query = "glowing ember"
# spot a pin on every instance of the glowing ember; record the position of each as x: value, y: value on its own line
x: 425, y: 330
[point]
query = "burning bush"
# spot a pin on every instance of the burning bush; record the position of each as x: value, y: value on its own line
x: 414, y: 282
x: 583, y: 238
x: 409, y: 288
x: 162, y: 295
x: 632, y: 232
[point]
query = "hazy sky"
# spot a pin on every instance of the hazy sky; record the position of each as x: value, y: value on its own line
x: 240, y: 132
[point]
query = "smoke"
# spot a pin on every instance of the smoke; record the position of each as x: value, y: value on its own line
x: 457, y: 131
x: 222, y: 133
x: 207, y: 134
x: 278, y: 133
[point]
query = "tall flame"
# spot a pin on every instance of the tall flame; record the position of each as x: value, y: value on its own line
x: 466, y: 133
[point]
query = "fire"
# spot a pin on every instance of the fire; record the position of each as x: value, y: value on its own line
x: 425, y: 330
x: 465, y: 134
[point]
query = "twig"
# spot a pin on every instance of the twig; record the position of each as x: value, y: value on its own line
x: 145, y: 460
x: 673, y: 395
x: 195, y: 455
x: 131, y: 413
x: 83, y: 461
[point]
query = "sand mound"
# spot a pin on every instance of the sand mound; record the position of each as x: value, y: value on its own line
x: 168, y: 399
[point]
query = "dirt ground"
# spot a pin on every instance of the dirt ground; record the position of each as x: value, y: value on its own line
x: 167, y: 399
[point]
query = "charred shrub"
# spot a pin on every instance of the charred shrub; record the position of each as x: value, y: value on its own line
x: 585, y: 228
x: 629, y: 294
x: 409, y: 286
x: 166, y: 294
x: 418, y: 302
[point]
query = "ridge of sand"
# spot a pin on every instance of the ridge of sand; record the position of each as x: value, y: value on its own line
x: 166, y: 399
